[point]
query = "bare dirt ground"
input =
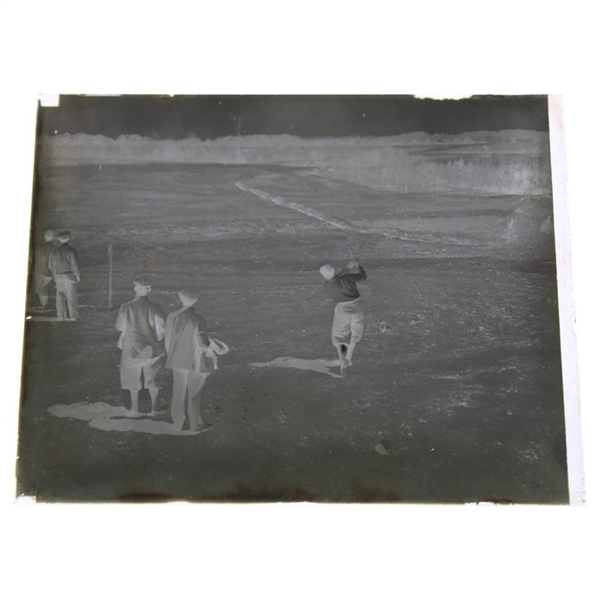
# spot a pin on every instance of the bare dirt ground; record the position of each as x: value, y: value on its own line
x: 455, y: 394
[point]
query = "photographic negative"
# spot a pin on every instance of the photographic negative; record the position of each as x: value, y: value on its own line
x: 293, y: 298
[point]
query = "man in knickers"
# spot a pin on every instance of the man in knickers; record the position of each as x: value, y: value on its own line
x: 348, y: 319
x: 142, y: 325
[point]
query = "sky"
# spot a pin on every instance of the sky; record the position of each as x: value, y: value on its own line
x: 211, y: 117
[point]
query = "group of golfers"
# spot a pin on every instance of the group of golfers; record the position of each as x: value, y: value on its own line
x: 150, y: 343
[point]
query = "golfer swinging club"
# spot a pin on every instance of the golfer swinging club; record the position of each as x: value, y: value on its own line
x: 348, y: 318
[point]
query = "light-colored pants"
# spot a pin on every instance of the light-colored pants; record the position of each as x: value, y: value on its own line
x: 348, y: 322
x: 131, y: 370
x: 41, y: 285
x: 66, y: 296
x: 186, y: 385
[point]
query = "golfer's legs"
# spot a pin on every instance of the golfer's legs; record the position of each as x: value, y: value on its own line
x: 130, y: 373
x: 134, y: 395
x: 154, y: 372
x: 153, y: 398
x: 357, y: 327
x: 179, y: 394
x: 340, y: 329
x: 41, y: 287
x: 196, y: 383
x: 72, y: 301
x: 61, y: 297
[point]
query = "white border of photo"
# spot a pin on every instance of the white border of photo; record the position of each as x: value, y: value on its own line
x: 448, y: 49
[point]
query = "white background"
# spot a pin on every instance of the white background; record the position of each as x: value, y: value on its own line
x: 298, y: 551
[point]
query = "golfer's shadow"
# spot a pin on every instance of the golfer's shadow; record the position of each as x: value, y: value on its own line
x: 101, y: 415
x: 318, y: 365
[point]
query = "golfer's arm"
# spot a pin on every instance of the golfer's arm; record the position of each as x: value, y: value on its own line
x: 361, y: 275
x: 354, y: 273
x: 159, y: 327
x: 168, y: 329
x: 203, y: 339
x: 120, y: 324
x: 75, y: 265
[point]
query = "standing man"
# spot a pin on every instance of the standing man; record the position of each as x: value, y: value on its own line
x: 190, y: 356
x: 64, y: 265
x: 142, y: 326
x: 348, y: 319
x: 41, y: 272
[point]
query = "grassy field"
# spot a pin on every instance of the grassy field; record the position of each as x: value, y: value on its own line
x: 456, y: 391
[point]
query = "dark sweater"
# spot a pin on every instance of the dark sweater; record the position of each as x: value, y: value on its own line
x: 342, y: 287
